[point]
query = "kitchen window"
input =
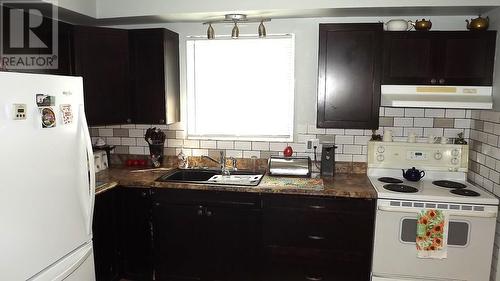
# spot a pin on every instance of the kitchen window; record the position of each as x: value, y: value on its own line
x: 241, y: 88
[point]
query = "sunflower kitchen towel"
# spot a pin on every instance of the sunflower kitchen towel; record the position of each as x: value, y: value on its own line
x: 432, y: 234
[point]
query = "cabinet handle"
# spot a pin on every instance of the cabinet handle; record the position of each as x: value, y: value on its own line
x: 433, y: 81
x: 310, y: 278
x: 200, y: 211
x: 315, y: 237
x: 316, y: 207
x: 143, y: 194
x: 209, y: 213
x: 441, y: 81
x: 129, y: 120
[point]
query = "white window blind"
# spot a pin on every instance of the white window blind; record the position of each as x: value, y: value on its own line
x: 241, y: 89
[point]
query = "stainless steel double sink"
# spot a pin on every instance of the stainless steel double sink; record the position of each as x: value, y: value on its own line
x: 215, y: 177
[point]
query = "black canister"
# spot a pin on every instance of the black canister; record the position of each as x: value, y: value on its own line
x: 328, y: 160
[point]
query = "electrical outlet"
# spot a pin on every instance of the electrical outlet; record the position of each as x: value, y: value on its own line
x: 310, y: 144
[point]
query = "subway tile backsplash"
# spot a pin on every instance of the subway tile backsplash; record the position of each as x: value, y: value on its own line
x: 352, y: 143
x: 484, y: 160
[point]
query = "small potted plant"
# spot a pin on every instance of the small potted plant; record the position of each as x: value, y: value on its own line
x: 156, y: 139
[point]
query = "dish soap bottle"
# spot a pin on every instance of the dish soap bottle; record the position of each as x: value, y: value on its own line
x: 182, y: 162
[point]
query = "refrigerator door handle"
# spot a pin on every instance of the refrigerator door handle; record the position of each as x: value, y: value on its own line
x: 91, y: 168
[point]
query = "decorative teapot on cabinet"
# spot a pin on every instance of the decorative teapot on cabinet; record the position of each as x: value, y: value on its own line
x: 421, y: 25
x: 413, y: 174
x: 478, y: 23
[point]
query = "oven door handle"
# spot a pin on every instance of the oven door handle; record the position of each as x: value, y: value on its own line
x: 451, y: 213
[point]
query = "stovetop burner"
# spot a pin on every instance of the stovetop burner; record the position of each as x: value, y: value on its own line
x: 465, y: 192
x: 390, y: 180
x: 400, y: 188
x: 449, y: 184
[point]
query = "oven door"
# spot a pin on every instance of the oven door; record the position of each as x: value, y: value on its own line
x: 470, y: 246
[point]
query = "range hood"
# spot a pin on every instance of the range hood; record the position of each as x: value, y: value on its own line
x: 470, y: 97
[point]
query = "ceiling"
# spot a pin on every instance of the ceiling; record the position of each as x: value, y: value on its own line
x: 121, y: 12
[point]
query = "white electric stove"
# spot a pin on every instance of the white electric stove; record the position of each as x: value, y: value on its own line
x: 472, y: 212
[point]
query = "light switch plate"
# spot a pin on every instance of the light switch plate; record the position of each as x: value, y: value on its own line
x: 311, y: 143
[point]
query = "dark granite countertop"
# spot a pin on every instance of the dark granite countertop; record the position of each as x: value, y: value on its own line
x: 342, y: 185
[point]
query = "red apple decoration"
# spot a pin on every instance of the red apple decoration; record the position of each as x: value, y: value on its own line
x: 288, y: 151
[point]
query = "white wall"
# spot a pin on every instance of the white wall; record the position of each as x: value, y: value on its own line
x: 495, y: 25
x: 85, y: 7
x: 306, y: 49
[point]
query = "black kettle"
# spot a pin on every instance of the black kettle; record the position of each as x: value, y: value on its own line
x: 413, y: 174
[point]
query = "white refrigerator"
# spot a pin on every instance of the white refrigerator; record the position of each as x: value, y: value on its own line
x: 47, y: 180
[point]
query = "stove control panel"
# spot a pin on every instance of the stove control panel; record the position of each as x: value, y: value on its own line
x: 438, y: 157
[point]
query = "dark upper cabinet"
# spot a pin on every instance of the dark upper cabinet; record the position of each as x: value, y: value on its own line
x: 135, y: 233
x: 105, y: 236
x: 408, y: 58
x: 349, y: 75
x: 101, y: 57
x: 459, y: 58
x: 154, y: 68
x: 200, y: 235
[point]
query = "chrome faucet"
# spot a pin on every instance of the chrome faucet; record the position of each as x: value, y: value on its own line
x: 222, y: 162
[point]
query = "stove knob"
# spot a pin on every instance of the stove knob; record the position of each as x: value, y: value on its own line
x: 380, y: 157
x: 438, y: 155
x: 455, y: 152
x: 381, y: 149
x: 454, y: 161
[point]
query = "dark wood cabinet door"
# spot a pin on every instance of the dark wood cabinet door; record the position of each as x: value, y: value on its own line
x: 180, y: 242
x: 408, y: 58
x: 147, y: 76
x: 135, y: 233
x: 206, y: 235
x: 466, y: 58
x: 460, y: 58
x: 105, y: 236
x: 349, y: 75
x: 101, y: 57
x: 154, y: 57
x: 233, y: 249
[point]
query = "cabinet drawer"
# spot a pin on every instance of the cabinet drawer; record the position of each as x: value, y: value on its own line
x: 294, y: 264
x: 315, y: 203
x: 322, y: 230
x: 206, y: 197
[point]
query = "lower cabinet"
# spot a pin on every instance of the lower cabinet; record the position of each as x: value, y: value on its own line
x: 185, y: 235
x: 135, y: 233
x: 206, y: 235
x: 314, y: 238
x: 105, y: 236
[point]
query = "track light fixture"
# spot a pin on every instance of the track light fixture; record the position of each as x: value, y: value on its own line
x: 262, y: 30
x: 210, y: 32
x: 235, y: 19
x: 235, y: 33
